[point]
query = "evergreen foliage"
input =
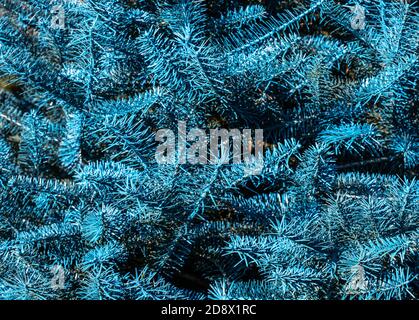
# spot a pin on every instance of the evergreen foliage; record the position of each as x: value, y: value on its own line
x: 332, y: 215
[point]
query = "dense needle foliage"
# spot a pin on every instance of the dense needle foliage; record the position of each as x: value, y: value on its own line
x: 87, y: 213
